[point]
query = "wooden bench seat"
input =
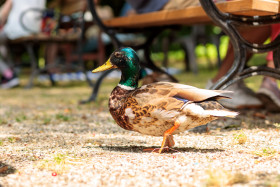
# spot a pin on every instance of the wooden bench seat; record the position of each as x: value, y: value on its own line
x: 42, y: 37
x: 194, y: 15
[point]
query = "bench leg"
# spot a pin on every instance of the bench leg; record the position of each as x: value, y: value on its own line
x: 34, y: 67
x: 276, y: 56
x: 96, y: 87
x: 216, y: 40
x: 188, y: 45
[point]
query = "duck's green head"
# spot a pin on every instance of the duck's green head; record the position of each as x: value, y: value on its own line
x: 127, y: 61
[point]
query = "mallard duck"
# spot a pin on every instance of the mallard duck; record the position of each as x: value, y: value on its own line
x: 162, y: 108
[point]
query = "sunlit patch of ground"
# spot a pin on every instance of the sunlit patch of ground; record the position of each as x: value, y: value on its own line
x: 46, y: 138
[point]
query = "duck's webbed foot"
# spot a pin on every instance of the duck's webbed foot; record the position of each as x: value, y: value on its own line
x: 166, y: 148
x: 168, y: 134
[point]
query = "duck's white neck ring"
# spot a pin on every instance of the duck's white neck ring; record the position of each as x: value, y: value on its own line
x: 126, y: 87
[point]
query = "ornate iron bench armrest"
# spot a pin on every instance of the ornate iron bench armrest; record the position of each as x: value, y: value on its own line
x: 228, y: 23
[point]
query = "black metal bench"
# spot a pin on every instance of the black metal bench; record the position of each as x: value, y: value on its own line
x: 226, y: 15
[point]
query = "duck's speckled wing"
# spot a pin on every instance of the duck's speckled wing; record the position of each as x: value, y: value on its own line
x: 166, y: 97
x: 174, y: 94
x: 152, y: 109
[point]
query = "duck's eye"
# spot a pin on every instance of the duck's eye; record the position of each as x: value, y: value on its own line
x: 118, y: 54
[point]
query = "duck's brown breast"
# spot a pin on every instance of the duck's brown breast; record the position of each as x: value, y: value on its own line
x: 117, y: 106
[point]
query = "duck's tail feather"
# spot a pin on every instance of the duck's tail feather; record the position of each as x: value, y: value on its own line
x: 222, y: 113
x: 206, y: 109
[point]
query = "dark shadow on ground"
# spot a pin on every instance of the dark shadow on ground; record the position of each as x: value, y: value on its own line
x: 6, y: 169
x: 139, y: 149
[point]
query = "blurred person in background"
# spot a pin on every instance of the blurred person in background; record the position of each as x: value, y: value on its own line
x: 11, y: 28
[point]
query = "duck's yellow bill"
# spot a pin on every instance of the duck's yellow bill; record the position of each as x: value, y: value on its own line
x: 108, y: 65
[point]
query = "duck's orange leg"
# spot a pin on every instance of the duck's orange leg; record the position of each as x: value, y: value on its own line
x: 168, y: 143
x: 167, y: 136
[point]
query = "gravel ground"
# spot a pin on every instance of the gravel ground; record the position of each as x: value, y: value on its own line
x: 46, y: 139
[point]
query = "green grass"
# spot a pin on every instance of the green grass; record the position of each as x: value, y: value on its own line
x: 240, y: 137
x: 265, y: 152
x: 2, y: 121
x: 13, y: 139
x: 21, y: 118
x: 62, y: 117
x: 277, y: 125
x: 217, y: 177
x: 46, y: 121
x: 59, y: 163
